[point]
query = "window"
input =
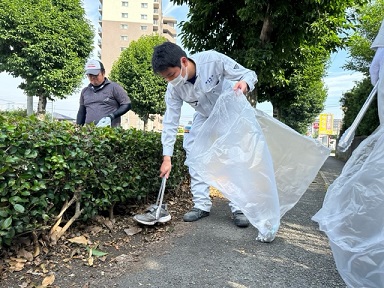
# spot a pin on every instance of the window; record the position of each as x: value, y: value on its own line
x: 124, y: 3
x: 144, y: 16
x: 122, y: 49
x: 124, y: 15
x: 143, y: 27
x: 144, y: 5
x: 124, y: 26
x: 124, y: 38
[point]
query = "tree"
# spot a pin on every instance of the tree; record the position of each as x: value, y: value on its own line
x: 133, y: 70
x: 46, y: 43
x: 369, y: 20
x: 277, y: 39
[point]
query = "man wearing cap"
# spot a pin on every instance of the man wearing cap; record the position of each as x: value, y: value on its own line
x: 103, y: 101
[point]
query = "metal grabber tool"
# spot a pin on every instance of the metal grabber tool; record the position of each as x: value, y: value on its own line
x: 160, y: 197
x: 347, y: 137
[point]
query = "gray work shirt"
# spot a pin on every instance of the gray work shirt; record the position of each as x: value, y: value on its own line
x: 103, y: 101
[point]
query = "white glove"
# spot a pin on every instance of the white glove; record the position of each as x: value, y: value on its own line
x: 377, y: 62
x: 104, y: 122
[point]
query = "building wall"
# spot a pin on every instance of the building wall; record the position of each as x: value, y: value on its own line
x: 120, y: 23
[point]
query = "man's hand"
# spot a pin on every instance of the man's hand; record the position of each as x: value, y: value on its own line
x: 242, y: 85
x: 166, y: 167
x: 377, y: 62
x: 104, y: 122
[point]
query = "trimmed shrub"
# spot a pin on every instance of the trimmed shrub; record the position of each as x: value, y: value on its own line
x: 44, y: 165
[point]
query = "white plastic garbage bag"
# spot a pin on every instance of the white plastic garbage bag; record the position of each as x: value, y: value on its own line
x: 258, y: 163
x: 296, y: 159
x: 352, y: 215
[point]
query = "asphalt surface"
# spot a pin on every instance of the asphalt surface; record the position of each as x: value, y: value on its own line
x: 213, y: 252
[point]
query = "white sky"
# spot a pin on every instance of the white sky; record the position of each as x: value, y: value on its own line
x: 338, y: 80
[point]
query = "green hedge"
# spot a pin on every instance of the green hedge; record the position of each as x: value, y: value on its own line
x: 42, y: 164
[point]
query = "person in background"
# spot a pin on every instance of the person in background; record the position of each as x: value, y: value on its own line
x: 376, y: 70
x: 352, y: 214
x: 103, y: 101
x: 197, y: 80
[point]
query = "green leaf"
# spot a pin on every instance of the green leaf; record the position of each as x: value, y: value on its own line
x: 7, y: 223
x: 3, y: 213
x: 97, y: 253
x: 19, y: 208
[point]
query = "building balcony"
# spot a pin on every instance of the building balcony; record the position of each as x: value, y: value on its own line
x: 169, y: 30
x: 169, y: 20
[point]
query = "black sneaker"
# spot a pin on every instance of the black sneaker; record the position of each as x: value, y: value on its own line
x: 239, y: 219
x: 195, y: 214
x: 149, y: 218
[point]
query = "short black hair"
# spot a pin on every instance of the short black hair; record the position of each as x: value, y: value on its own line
x: 166, y: 55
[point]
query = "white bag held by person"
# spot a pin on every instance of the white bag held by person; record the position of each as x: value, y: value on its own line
x: 352, y: 215
x: 261, y: 165
x: 296, y: 159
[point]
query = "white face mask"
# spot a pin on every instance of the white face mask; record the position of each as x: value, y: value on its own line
x: 180, y: 79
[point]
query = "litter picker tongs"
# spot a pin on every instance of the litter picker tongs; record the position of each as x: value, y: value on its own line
x: 160, y: 197
x: 347, y: 137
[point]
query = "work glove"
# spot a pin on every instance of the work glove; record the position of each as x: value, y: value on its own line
x: 104, y: 122
x: 376, y: 65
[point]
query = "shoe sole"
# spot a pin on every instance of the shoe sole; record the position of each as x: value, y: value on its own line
x: 160, y: 220
x: 242, y: 225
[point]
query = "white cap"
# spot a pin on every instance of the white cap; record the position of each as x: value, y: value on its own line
x: 93, y: 67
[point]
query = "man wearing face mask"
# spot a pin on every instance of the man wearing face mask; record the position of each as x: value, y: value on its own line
x: 197, y: 80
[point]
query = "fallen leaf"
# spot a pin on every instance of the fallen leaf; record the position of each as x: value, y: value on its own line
x: 42, y: 266
x: 37, y: 250
x: 25, y: 254
x: 95, y: 229
x: 79, y: 240
x: 75, y: 252
x: 109, y: 224
x: 97, y: 253
x: 133, y: 230
x: 103, y: 258
x: 123, y: 258
x: 48, y: 280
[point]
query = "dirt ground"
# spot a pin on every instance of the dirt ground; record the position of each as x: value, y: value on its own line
x: 96, y: 248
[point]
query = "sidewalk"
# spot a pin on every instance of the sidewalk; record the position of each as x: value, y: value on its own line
x: 213, y: 252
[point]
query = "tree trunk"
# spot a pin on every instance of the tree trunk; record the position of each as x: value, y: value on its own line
x: 266, y: 31
x: 29, y: 105
x: 42, y: 105
x: 145, y: 120
x: 252, y: 97
x: 276, y: 112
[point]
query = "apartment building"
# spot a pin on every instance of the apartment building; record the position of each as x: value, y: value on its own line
x: 121, y: 22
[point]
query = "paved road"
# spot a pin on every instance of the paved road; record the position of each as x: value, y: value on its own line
x: 213, y: 252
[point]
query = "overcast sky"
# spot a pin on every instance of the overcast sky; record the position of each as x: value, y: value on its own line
x: 338, y: 81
